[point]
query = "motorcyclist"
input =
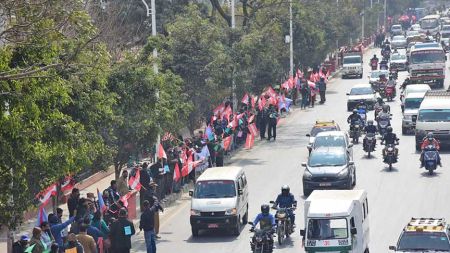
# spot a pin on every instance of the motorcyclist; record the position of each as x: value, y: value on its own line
x: 389, y: 138
x: 354, y: 118
x: 362, y: 111
x: 391, y: 82
x: 370, y: 129
x: 266, y: 221
x: 383, y: 64
x: 405, y: 83
x: 429, y: 140
x: 286, y: 200
x: 429, y: 148
x: 374, y: 62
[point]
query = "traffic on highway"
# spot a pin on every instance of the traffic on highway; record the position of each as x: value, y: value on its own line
x: 363, y: 173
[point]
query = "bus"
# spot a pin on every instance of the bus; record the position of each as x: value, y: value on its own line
x: 430, y: 24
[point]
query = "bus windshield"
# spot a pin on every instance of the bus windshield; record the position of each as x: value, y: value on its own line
x: 427, y: 57
x: 327, y: 229
x: 429, y: 23
x: 413, y: 103
x: 352, y: 59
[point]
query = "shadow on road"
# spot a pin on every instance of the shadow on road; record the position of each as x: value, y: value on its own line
x: 288, y: 243
x: 386, y: 169
x: 426, y: 174
x: 246, y: 162
x: 214, y: 236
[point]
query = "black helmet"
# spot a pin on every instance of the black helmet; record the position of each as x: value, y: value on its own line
x: 380, y: 100
x: 430, y: 136
x: 285, y: 189
x: 389, y: 129
x: 265, y: 209
x: 385, y: 108
x: 374, y: 56
x: 355, y: 111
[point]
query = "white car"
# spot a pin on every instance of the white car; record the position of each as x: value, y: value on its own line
x: 399, y: 42
x: 415, y: 27
x: 375, y: 75
x: 414, y: 88
x: 361, y: 93
x: 410, y: 110
x: 396, y: 30
x: 399, y: 61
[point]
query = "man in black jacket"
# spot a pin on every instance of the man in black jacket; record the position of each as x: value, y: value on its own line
x: 120, y: 233
x: 72, y: 202
x: 148, y: 224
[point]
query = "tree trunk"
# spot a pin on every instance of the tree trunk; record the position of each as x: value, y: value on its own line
x: 117, y: 168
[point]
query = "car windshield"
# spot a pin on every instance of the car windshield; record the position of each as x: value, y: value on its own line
x: 318, y: 159
x: 445, y: 35
x: 446, y: 28
x: 376, y: 74
x: 429, y: 23
x: 398, y: 38
x: 434, y: 115
x: 427, y: 57
x: 317, y: 130
x: 396, y: 57
x: 413, y: 103
x: 329, y: 141
x: 214, y: 189
x: 352, y: 59
x: 327, y: 229
x: 361, y: 91
x: 396, y: 27
x: 412, y: 33
x: 424, y: 241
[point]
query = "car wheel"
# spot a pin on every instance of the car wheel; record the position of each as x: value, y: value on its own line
x: 404, y: 130
x: 349, y: 108
x: 237, y: 227
x: 354, y: 178
x: 306, y: 192
x: 194, y: 231
x: 245, y: 218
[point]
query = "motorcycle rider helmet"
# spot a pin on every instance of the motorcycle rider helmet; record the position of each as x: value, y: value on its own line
x: 430, y: 136
x: 370, y: 122
x: 380, y: 100
x: 265, y: 209
x: 389, y: 129
x: 374, y: 56
x: 385, y: 108
x: 285, y: 189
x: 355, y: 112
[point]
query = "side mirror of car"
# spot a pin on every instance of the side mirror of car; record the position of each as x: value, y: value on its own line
x: 353, y: 231
x: 191, y: 193
x: 308, y: 135
x: 240, y: 192
x: 272, y: 202
x: 348, y: 94
x: 303, y: 164
x: 350, y: 145
x: 250, y: 223
x: 302, y: 232
x: 392, y: 248
x: 351, y: 163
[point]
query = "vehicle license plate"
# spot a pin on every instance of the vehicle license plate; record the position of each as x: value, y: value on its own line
x: 213, y: 225
x: 325, y: 184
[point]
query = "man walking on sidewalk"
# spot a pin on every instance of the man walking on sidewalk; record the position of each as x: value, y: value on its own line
x: 322, y: 89
x: 147, y: 224
x: 121, y: 232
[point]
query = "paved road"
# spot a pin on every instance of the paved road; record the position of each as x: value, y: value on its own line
x: 394, y: 196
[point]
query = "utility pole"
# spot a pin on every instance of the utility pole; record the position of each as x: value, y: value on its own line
x: 378, y: 16
x: 362, y: 28
x: 233, y: 83
x: 384, y: 22
x: 291, y: 42
x: 371, y: 3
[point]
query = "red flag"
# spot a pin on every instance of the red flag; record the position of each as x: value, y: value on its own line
x: 45, y: 195
x: 252, y: 101
x: 67, y: 184
x: 251, y: 118
x: 100, y: 245
x: 227, y: 112
x: 271, y: 92
x: 219, y: 109
x: 295, y: 81
x: 176, y: 173
x: 253, y: 130
x: 134, y: 183
x: 299, y: 73
x: 285, y: 85
x: 291, y: 82
x: 161, y: 152
x: 261, y: 103
x: 227, y: 142
x: 273, y: 101
x: 249, y: 141
x: 125, y: 198
x: 245, y: 99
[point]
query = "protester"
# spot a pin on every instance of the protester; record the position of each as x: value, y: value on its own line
x: 36, y: 245
x: 21, y: 244
x: 144, y: 180
x: 147, y: 224
x: 305, y: 92
x: 273, y: 118
x: 262, y: 118
x: 312, y: 94
x: 91, y: 230
x: 46, y: 235
x: 99, y: 223
x: 322, y: 86
x: 114, y: 196
x: 54, y: 248
x: 56, y: 227
x: 72, y: 202
x: 87, y: 241
x: 122, y: 184
x: 121, y: 232
x: 73, y: 245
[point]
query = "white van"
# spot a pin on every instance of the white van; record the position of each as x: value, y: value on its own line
x: 336, y: 221
x: 220, y: 200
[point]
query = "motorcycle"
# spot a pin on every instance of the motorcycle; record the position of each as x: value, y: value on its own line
x: 389, y: 92
x: 261, y: 241
x: 383, y: 122
x: 374, y: 64
x: 430, y: 159
x: 383, y: 65
x: 369, y: 146
x: 393, y: 72
x: 355, y: 132
x: 284, y: 224
x: 390, y: 156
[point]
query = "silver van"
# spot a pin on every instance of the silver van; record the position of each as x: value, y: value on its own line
x: 220, y: 200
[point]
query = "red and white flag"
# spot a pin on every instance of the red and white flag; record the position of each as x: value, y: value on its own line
x: 252, y: 101
x: 185, y: 168
x: 219, y: 109
x: 125, y: 198
x: 176, y: 173
x: 67, y: 184
x: 245, y: 99
x: 134, y: 183
x: 227, y: 113
x: 45, y: 195
x: 249, y: 141
x: 161, y: 152
x: 227, y: 142
x: 253, y: 130
x: 271, y: 92
x: 261, y: 103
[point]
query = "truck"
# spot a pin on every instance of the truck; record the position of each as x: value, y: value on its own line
x: 434, y: 116
x: 352, y: 64
x: 427, y: 64
x: 430, y: 24
x: 336, y: 221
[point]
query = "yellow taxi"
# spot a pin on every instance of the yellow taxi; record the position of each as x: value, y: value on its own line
x: 321, y: 126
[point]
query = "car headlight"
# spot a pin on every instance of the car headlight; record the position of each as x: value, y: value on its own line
x: 195, y: 212
x: 232, y: 211
x: 407, y: 117
x: 307, y: 174
x: 343, y: 173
